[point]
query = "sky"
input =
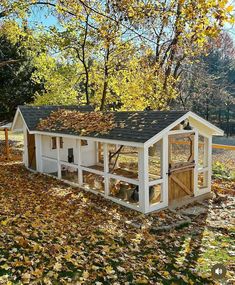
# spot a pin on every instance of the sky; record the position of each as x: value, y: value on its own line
x: 231, y: 28
x: 42, y: 17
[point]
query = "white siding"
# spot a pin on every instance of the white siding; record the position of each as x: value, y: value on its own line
x: 69, y: 143
x: 49, y: 166
x: 88, y: 154
x: 47, y: 147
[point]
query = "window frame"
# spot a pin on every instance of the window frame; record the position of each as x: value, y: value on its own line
x: 54, y: 144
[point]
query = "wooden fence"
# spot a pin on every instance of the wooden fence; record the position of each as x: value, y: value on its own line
x: 221, y: 146
x: 214, y: 146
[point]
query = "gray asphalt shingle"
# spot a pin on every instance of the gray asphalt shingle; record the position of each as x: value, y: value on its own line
x: 130, y: 126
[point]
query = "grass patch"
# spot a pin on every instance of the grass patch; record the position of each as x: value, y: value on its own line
x: 222, y: 171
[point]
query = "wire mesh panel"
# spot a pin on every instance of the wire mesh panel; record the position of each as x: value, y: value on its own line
x: 202, y: 151
x: 69, y: 173
x: 124, y: 191
x: 181, y: 149
x: 203, y: 180
x: 155, y: 161
x: 123, y: 160
x: 155, y: 194
x: 93, y: 181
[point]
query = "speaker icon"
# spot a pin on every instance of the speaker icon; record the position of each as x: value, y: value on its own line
x: 218, y: 271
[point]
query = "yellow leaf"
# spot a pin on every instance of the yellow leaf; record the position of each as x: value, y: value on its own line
x: 38, y: 272
x: 36, y: 223
x: 109, y: 269
x: 47, y: 281
x: 230, y: 8
x: 4, y: 223
x: 191, y: 282
x: 57, y: 266
x: 85, y: 274
x: 142, y: 280
x: 222, y: 3
x: 26, y: 278
x: 166, y: 274
x: 5, y: 266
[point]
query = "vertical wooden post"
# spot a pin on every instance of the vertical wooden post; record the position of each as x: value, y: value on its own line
x: 206, y: 151
x: 143, y: 179
x: 165, y: 166
x: 209, y: 157
x: 98, y: 150
x: 25, y: 154
x: 79, y: 150
x: 116, y: 148
x: 195, y: 182
x: 38, y: 144
x: 58, y: 157
x: 6, y: 143
x: 106, y: 169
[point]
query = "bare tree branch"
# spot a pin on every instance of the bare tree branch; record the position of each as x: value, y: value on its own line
x: 10, y: 61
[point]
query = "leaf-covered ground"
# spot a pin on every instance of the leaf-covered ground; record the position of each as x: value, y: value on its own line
x: 51, y: 233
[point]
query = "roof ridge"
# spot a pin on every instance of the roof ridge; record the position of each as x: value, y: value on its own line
x: 114, y: 112
x: 32, y: 106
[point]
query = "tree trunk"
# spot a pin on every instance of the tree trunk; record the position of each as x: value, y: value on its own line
x: 219, y: 118
x: 207, y: 109
x: 84, y: 62
x: 104, y: 93
x: 227, y: 122
x: 87, y: 84
x: 105, y: 85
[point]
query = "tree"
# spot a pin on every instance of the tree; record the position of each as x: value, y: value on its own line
x: 59, y: 80
x: 177, y: 31
x: 16, y: 85
x: 208, y: 87
x: 129, y: 51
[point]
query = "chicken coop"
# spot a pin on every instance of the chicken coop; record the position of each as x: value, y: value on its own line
x: 147, y: 161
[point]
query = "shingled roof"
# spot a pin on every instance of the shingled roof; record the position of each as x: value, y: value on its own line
x: 33, y: 114
x: 130, y: 126
x: 5, y: 125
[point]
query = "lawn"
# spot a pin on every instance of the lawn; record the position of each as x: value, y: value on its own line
x: 51, y: 233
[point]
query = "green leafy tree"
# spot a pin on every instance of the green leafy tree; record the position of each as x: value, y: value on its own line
x: 16, y: 84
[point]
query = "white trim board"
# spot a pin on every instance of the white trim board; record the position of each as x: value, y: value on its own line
x: 158, y: 136
x: 217, y: 130
x: 109, y: 141
x: 14, y: 121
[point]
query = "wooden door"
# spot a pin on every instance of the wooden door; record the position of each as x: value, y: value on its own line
x: 31, y: 151
x: 181, y: 166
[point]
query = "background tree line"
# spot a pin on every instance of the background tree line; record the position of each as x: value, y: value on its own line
x: 125, y: 54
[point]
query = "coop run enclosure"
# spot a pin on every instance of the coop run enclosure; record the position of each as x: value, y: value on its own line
x: 147, y: 161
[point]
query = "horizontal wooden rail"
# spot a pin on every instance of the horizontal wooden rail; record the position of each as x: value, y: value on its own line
x: 222, y: 146
x: 216, y: 146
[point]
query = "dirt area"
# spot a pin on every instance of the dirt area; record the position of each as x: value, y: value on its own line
x: 15, y: 146
x: 51, y: 233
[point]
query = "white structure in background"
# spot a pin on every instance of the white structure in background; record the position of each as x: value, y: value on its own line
x: 150, y: 160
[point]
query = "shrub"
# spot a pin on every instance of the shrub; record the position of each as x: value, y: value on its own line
x: 221, y: 171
